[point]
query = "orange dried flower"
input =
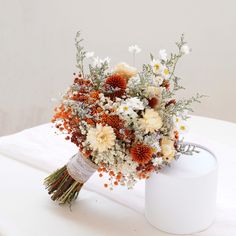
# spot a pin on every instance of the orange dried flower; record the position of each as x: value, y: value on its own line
x: 116, y: 81
x: 111, y: 173
x: 113, y: 120
x: 176, y: 135
x: 94, y: 94
x: 141, y: 153
x: 90, y: 121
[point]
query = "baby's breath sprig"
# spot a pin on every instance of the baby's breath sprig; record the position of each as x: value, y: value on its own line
x: 171, y: 63
x: 186, y: 148
x: 97, y: 74
x: 80, y: 54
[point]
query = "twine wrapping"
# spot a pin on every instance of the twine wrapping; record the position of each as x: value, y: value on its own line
x: 81, y: 168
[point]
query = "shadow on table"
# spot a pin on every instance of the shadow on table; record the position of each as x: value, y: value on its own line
x: 114, y: 219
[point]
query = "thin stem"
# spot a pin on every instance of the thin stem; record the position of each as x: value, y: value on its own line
x: 134, y: 59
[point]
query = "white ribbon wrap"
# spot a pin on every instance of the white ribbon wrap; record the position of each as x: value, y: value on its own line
x: 80, y: 168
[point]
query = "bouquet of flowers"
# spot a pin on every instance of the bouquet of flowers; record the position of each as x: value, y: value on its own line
x: 125, y: 122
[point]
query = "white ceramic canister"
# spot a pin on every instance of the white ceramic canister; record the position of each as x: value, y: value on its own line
x: 181, y: 199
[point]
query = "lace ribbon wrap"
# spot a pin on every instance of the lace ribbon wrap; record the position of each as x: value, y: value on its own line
x: 81, y: 168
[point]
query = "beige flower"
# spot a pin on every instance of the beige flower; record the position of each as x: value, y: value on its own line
x: 168, y: 149
x: 151, y: 121
x: 101, y: 138
x: 125, y: 70
x: 153, y: 91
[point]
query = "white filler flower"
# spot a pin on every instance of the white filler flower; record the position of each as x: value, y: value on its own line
x: 185, y: 49
x: 163, y: 54
x: 134, y: 49
x: 98, y: 62
x: 135, y: 103
x: 101, y: 138
x: 89, y: 54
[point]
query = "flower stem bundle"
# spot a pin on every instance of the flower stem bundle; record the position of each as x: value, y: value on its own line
x: 65, y: 183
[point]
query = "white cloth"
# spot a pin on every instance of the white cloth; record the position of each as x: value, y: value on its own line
x: 42, y: 149
x: 27, y: 210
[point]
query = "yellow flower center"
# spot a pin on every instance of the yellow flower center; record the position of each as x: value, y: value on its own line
x: 182, y: 127
x: 125, y: 108
x: 157, y: 67
x: 166, y: 71
x: 154, y: 149
x: 102, y: 138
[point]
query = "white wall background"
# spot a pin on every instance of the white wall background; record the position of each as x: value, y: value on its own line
x: 37, y: 54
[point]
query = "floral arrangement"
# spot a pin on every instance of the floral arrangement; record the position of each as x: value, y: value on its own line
x: 125, y: 122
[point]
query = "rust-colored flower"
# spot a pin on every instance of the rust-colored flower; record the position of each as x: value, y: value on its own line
x: 113, y: 120
x: 166, y: 84
x: 141, y: 153
x: 153, y: 102
x: 116, y: 82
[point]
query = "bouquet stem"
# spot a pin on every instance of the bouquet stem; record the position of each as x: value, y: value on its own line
x: 65, y: 183
x: 62, y: 187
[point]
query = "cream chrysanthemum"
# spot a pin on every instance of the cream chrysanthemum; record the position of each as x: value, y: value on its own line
x: 125, y: 70
x: 151, y: 121
x: 167, y: 149
x: 153, y: 91
x: 101, y: 138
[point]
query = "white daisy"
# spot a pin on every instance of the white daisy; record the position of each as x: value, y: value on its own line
x: 163, y: 54
x: 177, y: 120
x: 134, y: 49
x: 165, y: 72
x: 182, y: 127
x: 185, y: 49
x: 126, y: 109
x: 157, y: 67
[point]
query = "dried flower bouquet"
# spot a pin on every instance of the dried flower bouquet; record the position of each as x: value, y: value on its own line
x: 125, y: 122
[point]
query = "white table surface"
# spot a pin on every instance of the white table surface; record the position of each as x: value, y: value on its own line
x: 25, y: 210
